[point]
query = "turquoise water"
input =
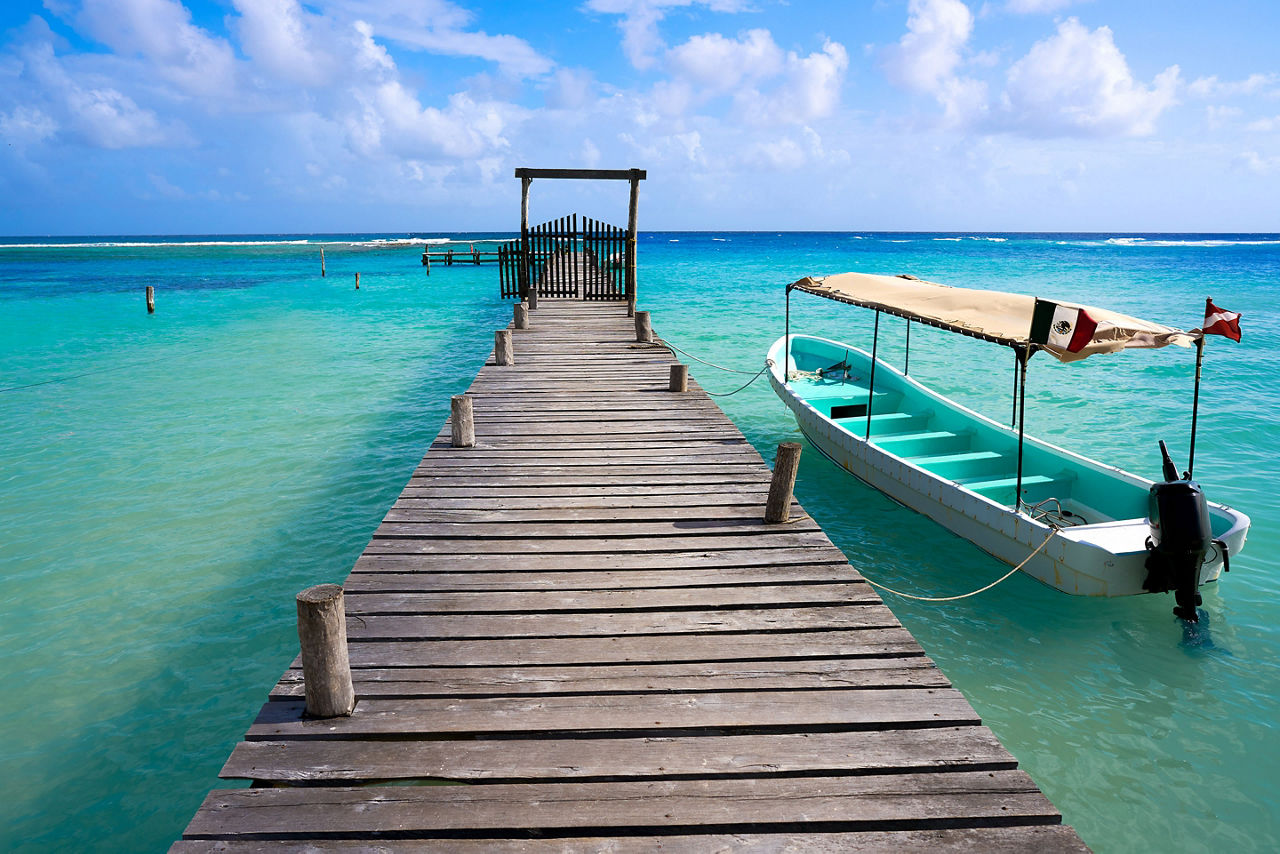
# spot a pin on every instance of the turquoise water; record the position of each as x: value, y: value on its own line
x: 168, y: 482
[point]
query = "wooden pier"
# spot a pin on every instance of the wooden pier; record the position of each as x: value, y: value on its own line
x: 579, y: 635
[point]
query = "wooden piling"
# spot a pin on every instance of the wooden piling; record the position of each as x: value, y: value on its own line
x: 644, y: 329
x: 322, y: 262
x: 463, y: 421
x: 679, y: 378
x: 502, y: 352
x: 522, y: 315
x: 532, y: 297
x: 357, y: 281
x: 778, y: 506
x: 151, y: 300
x: 426, y: 258
x: 326, y: 669
x: 630, y: 260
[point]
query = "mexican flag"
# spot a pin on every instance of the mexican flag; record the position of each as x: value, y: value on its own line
x: 1063, y: 327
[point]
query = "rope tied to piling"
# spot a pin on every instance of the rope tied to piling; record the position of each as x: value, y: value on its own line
x: 1052, y: 533
x: 768, y: 363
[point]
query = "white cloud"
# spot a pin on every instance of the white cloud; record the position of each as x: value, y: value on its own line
x: 1217, y: 117
x: 1258, y: 163
x: 717, y: 64
x: 813, y: 83
x: 161, y: 32
x: 1212, y: 87
x: 767, y: 85
x: 930, y: 51
x: 26, y: 126
x: 88, y: 108
x: 570, y: 89
x: 927, y: 59
x: 279, y: 36
x: 1077, y: 82
x: 1264, y: 125
x: 1036, y: 7
x: 641, y: 41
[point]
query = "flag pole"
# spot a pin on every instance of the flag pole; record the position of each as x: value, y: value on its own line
x: 1195, y: 406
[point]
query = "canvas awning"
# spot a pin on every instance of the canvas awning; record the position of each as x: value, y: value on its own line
x: 997, y: 316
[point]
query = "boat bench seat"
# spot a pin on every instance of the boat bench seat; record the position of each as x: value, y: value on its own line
x: 924, y: 442
x: 989, y: 485
x: 964, y: 464
x: 893, y: 423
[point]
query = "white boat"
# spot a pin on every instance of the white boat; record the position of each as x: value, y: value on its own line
x: 1008, y: 493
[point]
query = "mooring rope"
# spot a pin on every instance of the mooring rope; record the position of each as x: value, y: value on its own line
x: 1007, y: 575
x: 768, y: 363
x: 665, y: 343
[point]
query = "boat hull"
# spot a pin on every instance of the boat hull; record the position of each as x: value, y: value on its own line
x: 1106, y: 558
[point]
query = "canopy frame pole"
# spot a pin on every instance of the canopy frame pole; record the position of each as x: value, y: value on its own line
x: 906, y: 359
x: 1195, y: 407
x: 786, y: 343
x: 1013, y: 418
x: 1023, y: 355
x: 871, y: 385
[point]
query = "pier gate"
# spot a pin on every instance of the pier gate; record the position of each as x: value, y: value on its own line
x: 573, y: 257
x: 568, y: 257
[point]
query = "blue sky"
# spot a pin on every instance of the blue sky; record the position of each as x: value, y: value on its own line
x: 245, y: 116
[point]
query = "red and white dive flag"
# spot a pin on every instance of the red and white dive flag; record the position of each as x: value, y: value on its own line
x: 1218, y: 321
x: 1064, y: 327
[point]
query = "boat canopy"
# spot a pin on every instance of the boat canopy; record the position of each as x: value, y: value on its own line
x: 997, y: 316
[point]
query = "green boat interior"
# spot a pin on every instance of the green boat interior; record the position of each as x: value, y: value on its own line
x: 954, y: 443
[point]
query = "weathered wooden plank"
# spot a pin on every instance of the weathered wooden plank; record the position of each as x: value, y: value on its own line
x: 781, y: 539
x: 914, y: 672
x: 372, y: 580
x: 899, y: 751
x: 583, y: 561
x: 670, y: 649
x: 613, y: 601
x: 869, y: 802
x: 579, y: 511
x: 405, y: 627
x: 843, y: 709
x: 586, y: 496
x: 602, y: 477
x: 604, y: 529
x: 1043, y: 839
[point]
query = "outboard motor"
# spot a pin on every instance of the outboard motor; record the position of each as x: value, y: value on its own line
x: 1180, y: 537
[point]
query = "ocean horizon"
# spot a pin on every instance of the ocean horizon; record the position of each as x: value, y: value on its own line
x: 168, y: 482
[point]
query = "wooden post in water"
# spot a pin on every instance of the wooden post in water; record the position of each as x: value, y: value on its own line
x: 426, y: 259
x: 151, y: 300
x: 326, y: 669
x: 679, y: 378
x: 522, y: 315
x: 644, y: 329
x: 322, y: 262
x: 463, y: 421
x: 502, y: 352
x: 357, y: 281
x: 778, y: 506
